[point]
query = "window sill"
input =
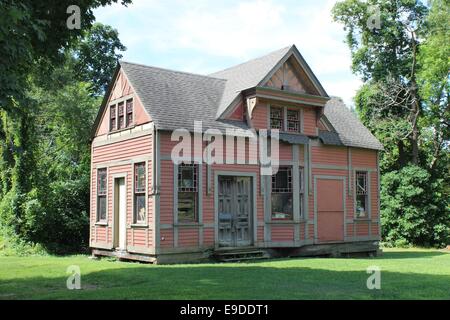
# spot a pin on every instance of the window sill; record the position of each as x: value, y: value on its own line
x: 139, y: 225
x: 101, y: 224
x: 286, y: 221
x: 362, y: 219
x: 188, y: 224
x: 121, y: 130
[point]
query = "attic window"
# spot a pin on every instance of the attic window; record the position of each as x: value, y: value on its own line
x: 121, y: 115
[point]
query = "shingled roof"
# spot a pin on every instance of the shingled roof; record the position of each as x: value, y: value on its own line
x: 176, y: 99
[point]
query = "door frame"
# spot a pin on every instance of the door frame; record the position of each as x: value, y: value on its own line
x: 216, y: 203
x: 344, y: 204
x: 114, y: 213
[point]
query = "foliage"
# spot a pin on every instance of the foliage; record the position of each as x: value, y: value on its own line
x: 415, y: 208
x: 44, y: 137
x: 404, y: 101
x: 104, y: 41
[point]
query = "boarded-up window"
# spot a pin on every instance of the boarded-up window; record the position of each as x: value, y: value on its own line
x: 361, y: 194
x: 101, y: 194
x: 282, y: 201
x: 187, y: 192
x: 113, y: 118
x: 121, y: 115
x: 276, y: 118
x: 293, y: 121
x: 140, y: 193
x: 129, y: 112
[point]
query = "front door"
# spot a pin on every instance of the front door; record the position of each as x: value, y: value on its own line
x: 330, y: 210
x: 120, y: 214
x: 235, y: 211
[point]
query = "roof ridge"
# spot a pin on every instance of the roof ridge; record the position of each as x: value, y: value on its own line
x: 171, y: 70
x: 250, y: 60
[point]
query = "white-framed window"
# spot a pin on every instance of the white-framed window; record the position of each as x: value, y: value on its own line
x: 362, y: 194
x: 102, y: 188
x: 140, y: 198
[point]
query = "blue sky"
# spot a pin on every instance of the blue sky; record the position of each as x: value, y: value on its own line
x: 203, y: 36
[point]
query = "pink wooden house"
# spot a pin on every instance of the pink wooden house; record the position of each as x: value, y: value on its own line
x: 323, y: 200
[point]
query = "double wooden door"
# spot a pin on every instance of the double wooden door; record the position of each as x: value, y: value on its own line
x: 235, y: 211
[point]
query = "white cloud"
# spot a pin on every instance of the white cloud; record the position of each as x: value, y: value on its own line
x: 197, y: 34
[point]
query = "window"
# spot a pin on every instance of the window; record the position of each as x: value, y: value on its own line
x: 293, y: 121
x: 121, y: 116
x: 282, y: 201
x: 361, y: 194
x: 276, y: 118
x: 113, y: 118
x: 101, y: 194
x: 302, y: 189
x: 139, y: 193
x: 187, y: 192
x: 129, y: 112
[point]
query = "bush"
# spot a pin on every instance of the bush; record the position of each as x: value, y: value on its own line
x: 414, y: 209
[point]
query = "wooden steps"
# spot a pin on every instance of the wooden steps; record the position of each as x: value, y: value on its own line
x: 236, y: 255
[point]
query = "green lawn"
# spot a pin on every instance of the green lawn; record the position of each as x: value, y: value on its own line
x: 405, y: 274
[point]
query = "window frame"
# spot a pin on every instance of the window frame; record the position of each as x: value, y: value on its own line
x: 288, y: 190
x: 280, y: 119
x: 297, y: 121
x: 284, y: 111
x: 194, y: 189
x: 301, y: 172
x: 99, y: 195
x: 365, y: 193
x: 123, y: 101
x: 141, y: 193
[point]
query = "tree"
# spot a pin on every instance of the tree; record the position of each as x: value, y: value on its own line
x: 404, y: 101
x: 96, y: 56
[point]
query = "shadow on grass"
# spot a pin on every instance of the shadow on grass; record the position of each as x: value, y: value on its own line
x: 232, y: 281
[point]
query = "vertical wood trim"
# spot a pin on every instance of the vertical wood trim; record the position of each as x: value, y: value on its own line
x: 208, y: 179
x: 157, y: 194
x: 349, y: 159
x: 267, y: 208
x: 200, y: 202
x: 306, y: 192
x: 309, y: 169
x: 302, y: 123
x: 268, y: 116
x: 175, y: 204
x: 296, y: 189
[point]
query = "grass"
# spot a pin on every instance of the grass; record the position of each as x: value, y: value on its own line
x: 405, y: 274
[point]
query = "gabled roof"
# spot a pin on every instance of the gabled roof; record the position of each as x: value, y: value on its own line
x: 255, y: 72
x: 175, y: 99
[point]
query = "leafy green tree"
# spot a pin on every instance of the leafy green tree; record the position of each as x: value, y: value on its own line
x: 104, y: 41
x: 404, y: 63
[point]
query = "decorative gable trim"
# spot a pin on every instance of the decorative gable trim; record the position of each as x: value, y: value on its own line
x: 293, y: 52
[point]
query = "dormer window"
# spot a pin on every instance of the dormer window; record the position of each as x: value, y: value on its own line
x: 293, y: 121
x: 121, y: 115
x: 276, y: 118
